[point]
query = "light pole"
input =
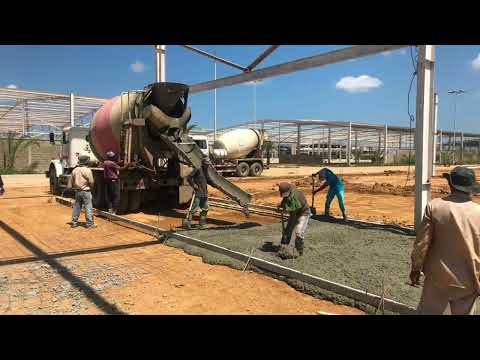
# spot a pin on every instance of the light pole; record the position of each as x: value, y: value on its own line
x: 455, y: 92
x: 255, y: 102
x: 215, y: 96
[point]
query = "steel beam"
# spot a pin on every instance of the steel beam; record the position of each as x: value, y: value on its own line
x: 297, y: 65
x: 424, y: 107
x: 262, y: 57
x: 215, y: 57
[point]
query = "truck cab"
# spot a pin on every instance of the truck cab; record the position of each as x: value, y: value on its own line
x: 74, y: 144
x: 202, y: 142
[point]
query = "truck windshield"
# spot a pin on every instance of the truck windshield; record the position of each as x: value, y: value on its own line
x: 202, y: 144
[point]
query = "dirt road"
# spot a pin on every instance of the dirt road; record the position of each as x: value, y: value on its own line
x: 48, y: 268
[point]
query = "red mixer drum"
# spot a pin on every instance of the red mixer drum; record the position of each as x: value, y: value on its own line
x: 106, y: 126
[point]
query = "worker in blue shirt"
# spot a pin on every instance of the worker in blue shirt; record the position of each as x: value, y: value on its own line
x: 335, y: 188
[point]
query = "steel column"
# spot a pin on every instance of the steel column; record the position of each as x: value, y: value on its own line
x: 298, y: 140
x: 161, y: 65
x: 425, y: 88
x: 461, y: 147
x: 329, y: 145
x: 385, y: 146
x: 72, y: 110
x: 433, y: 138
x: 349, y: 143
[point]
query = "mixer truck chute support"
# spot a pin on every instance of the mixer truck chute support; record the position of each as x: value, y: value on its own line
x: 238, y: 152
x: 147, y: 127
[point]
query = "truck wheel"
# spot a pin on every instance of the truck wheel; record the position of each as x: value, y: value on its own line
x: 54, y: 188
x: 98, y: 192
x: 124, y: 201
x: 243, y: 169
x: 256, y: 169
x: 134, y: 200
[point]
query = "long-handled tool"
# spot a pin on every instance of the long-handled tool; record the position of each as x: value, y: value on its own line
x: 185, y: 221
x: 313, y: 210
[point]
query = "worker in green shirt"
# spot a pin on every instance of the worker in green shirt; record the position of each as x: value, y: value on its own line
x: 294, y: 203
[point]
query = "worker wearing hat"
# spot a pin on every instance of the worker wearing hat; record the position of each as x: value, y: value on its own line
x: 82, y: 182
x: 294, y: 202
x: 199, y: 181
x: 111, y: 173
x: 447, y: 249
x: 335, y: 189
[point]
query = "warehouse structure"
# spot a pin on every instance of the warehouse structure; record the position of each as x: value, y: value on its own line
x: 347, y: 142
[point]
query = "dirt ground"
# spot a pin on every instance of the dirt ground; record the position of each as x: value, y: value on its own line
x: 48, y: 268
x: 381, y: 194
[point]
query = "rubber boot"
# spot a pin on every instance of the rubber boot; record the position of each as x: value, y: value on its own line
x: 327, y: 212
x: 203, y: 220
x: 299, y: 245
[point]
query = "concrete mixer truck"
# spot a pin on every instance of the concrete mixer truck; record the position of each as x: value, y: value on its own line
x: 240, y: 152
x: 147, y: 128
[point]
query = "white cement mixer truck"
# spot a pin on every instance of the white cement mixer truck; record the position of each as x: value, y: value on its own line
x: 240, y: 152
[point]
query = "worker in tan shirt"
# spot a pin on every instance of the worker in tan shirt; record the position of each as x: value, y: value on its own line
x: 447, y: 249
x: 82, y: 182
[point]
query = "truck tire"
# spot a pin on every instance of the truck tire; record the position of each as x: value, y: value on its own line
x: 256, y: 169
x: 124, y: 202
x: 134, y: 200
x: 243, y: 169
x: 54, y: 188
x: 98, y: 191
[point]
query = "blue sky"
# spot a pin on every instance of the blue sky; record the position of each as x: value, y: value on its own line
x: 370, y: 90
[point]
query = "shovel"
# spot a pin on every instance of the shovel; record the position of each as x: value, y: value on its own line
x: 313, y: 210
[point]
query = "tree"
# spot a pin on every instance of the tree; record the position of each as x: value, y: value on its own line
x: 14, y: 145
x: 190, y: 127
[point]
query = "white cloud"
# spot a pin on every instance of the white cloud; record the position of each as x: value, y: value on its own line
x: 259, y: 82
x: 395, y: 52
x: 137, y: 67
x: 362, y: 83
x: 12, y: 86
x: 476, y: 63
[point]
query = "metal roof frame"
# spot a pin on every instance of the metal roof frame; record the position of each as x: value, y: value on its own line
x: 27, y: 112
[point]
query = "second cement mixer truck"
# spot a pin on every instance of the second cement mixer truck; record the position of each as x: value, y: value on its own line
x: 240, y: 152
x: 147, y: 128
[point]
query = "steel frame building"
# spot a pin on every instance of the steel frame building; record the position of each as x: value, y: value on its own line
x: 339, y: 139
x: 36, y: 113
x: 27, y: 111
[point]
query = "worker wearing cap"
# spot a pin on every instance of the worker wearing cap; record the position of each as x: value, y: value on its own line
x: 335, y: 189
x: 447, y: 249
x: 111, y: 172
x: 199, y: 181
x: 82, y: 182
x: 294, y: 202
